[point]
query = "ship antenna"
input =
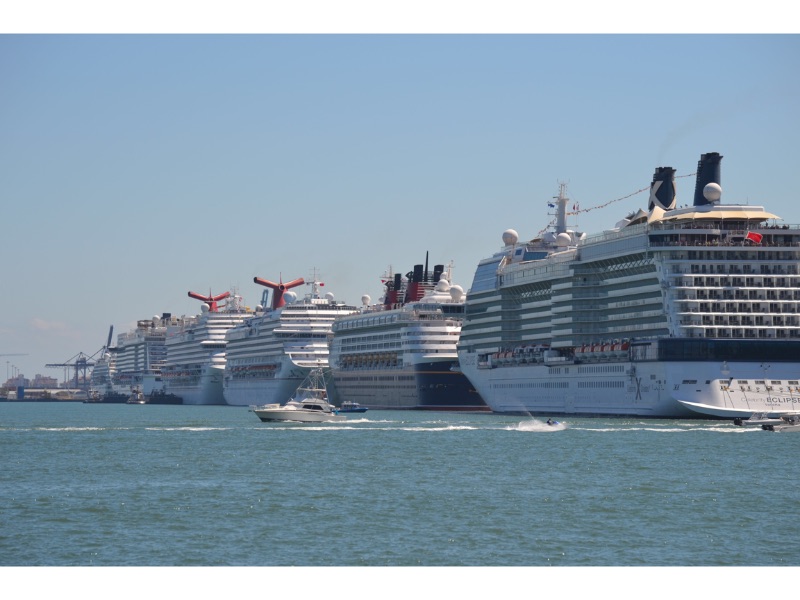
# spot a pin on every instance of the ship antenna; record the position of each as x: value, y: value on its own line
x: 314, y: 283
x: 561, y: 208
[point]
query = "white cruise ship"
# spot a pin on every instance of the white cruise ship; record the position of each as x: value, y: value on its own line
x: 269, y: 355
x: 140, y: 355
x: 102, y: 385
x: 677, y: 312
x: 401, y: 353
x: 195, y: 363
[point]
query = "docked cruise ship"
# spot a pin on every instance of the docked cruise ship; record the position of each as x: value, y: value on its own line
x: 102, y: 385
x: 401, y: 352
x: 676, y: 312
x: 140, y: 356
x: 269, y: 355
x: 195, y: 363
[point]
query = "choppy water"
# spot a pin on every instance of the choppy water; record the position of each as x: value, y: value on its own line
x: 191, y: 485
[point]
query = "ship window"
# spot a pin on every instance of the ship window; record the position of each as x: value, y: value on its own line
x: 485, y: 276
x: 689, y: 382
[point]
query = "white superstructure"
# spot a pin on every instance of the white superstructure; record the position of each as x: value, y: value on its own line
x: 676, y: 312
x: 101, y: 381
x: 269, y: 355
x: 140, y: 355
x: 195, y: 362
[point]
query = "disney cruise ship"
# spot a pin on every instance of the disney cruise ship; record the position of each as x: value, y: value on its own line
x: 195, y: 362
x: 401, y: 353
x: 677, y: 312
x: 269, y: 355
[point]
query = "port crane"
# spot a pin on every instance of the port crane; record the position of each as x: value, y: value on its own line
x: 81, y: 363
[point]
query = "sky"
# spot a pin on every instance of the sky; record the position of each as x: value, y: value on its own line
x: 137, y: 165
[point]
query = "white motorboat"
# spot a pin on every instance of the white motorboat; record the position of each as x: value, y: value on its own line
x: 766, y: 421
x: 309, y: 404
x: 790, y: 423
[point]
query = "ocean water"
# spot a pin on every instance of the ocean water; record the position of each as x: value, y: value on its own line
x: 133, y: 485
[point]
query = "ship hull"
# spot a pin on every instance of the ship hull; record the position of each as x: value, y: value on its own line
x: 244, y: 390
x: 655, y: 389
x: 207, y: 390
x: 424, y: 386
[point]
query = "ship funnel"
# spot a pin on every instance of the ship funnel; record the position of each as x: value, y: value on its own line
x: 392, y: 297
x: 278, y: 289
x: 708, y: 171
x: 210, y: 300
x: 662, y: 190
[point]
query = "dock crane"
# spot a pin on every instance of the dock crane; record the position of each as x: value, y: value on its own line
x: 81, y: 363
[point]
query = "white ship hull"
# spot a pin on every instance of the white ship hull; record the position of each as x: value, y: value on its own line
x: 648, y: 389
x: 257, y: 390
x: 206, y: 391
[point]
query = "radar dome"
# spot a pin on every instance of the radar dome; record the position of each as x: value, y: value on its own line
x: 156, y: 319
x: 365, y: 299
x: 329, y: 296
x: 289, y: 297
x: 456, y: 293
x: 442, y: 285
x: 510, y: 237
x: 204, y: 307
x: 712, y: 192
x: 563, y: 239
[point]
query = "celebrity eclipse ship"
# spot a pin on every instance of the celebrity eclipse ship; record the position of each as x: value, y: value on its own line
x: 676, y: 312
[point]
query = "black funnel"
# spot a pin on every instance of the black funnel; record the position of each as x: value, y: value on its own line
x: 662, y: 190
x: 708, y: 171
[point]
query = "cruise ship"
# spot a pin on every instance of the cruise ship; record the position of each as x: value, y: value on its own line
x: 269, y: 355
x: 140, y: 356
x: 675, y: 313
x: 102, y: 385
x: 195, y: 363
x: 401, y: 352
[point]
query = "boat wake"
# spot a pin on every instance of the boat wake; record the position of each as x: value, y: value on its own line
x: 536, y: 425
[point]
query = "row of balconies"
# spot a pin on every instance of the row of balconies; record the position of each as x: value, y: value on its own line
x: 729, y: 321
x: 735, y: 269
x: 704, y: 307
x: 735, y: 333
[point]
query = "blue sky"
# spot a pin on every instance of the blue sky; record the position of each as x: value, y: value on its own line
x: 135, y: 168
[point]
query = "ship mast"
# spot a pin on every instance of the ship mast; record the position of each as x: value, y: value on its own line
x: 561, y: 208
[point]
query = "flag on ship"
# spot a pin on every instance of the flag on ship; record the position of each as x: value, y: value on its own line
x: 753, y: 237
